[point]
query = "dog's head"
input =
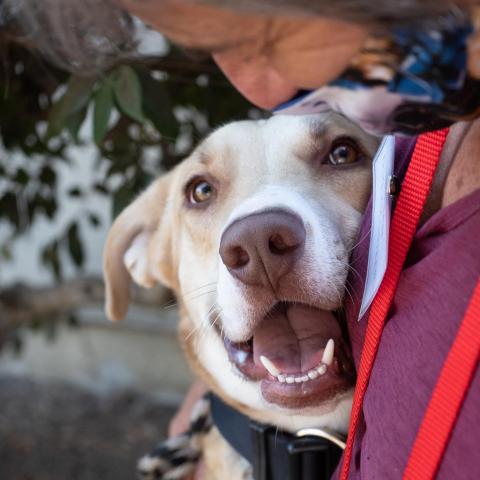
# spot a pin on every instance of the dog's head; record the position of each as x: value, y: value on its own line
x: 253, y: 232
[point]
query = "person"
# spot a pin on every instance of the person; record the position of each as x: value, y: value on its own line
x: 394, y: 67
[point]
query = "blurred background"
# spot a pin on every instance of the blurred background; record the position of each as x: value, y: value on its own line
x: 82, y: 398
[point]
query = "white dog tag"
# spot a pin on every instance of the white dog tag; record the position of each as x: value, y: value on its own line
x: 381, y: 207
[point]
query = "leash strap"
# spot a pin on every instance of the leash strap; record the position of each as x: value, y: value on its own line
x: 452, y: 386
x: 414, y: 192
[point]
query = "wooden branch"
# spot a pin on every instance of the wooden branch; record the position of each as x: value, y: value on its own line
x: 22, y: 305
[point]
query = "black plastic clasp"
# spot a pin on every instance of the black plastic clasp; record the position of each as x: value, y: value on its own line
x: 312, y: 458
x: 282, y: 456
x: 261, y: 454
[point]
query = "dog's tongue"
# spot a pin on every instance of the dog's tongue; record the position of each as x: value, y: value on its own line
x: 294, y: 338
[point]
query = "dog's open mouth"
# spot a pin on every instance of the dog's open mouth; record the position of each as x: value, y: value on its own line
x: 298, y: 353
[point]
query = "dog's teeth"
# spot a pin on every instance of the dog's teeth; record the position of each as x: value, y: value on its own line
x: 321, y: 369
x: 298, y: 379
x: 281, y: 378
x: 305, y: 378
x: 312, y: 374
x: 290, y: 379
x: 270, y: 367
x: 327, y: 357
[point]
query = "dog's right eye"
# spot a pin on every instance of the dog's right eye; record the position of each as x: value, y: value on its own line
x: 199, y: 191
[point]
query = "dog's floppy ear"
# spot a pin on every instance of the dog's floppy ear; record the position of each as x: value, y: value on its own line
x: 128, y: 246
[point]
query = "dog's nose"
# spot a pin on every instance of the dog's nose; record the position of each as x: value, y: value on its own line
x: 262, y: 247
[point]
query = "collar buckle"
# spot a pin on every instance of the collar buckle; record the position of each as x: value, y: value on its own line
x: 310, y: 454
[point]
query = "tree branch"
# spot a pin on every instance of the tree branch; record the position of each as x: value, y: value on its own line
x: 22, y: 305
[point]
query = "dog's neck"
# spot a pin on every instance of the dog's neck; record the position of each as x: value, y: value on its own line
x: 458, y: 172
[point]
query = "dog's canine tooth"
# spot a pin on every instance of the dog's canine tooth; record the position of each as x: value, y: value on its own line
x: 290, y: 379
x: 270, y: 367
x: 312, y: 374
x: 327, y: 357
x: 321, y: 369
x: 281, y: 378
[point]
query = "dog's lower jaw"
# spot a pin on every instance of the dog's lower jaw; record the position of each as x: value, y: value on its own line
x: 334, y: 415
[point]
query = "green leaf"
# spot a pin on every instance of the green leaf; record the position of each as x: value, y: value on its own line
x: 121, y: 198
x: 9, y: 208
x: 158, y: 107
x: 45, y: 203
x: 75, y: 246
x: 21, y: 176
x: 50, y: 206
x: 102, y: 189
x: 77, y: 95
x: 75, y: 121
x: 94, y: 220
x: 128, y: 92
x: 48, y: 176
x: 75, y: 192
x: 102, y: 112
x: 51, y: 259
x: 5, y: 252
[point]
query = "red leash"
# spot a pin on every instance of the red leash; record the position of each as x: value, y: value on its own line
x: 415, y: 189
x: 447, y: 398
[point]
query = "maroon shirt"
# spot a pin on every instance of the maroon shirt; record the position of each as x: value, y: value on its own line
x: 435, y: 286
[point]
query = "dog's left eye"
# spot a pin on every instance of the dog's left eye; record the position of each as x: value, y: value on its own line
x: 200, y: 191
x: 343, y: 153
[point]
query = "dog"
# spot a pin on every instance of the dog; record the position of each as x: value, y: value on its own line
x: 253, y: 233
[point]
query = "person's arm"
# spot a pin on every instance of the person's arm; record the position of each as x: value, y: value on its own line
x: 181, y: 421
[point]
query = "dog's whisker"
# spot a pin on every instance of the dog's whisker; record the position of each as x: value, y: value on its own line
x: 170, y: 303
x: 211, y: 310
x: 189, y: 295
x: 347, y: 290
x: 351, y: 290
x: 195, y: 329
x: 199, y: 288
x: 367, y: 234
x: 351, y: 268
x: 217, y: 318
x: 200, y: 295
x: 204, y: 328
x: 355, y: 271
x: 337, y: 291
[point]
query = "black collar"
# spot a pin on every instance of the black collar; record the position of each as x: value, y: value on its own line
x: 311, y: 454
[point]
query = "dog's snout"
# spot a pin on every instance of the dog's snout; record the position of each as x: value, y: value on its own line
x: 262, y: 247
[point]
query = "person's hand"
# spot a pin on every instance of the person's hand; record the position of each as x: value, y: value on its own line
x: 181, y: 421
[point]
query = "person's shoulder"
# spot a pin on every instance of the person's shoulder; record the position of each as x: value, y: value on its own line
x: 463, y: 178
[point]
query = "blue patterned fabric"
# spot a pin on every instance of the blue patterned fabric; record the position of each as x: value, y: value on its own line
x: 407, y: 82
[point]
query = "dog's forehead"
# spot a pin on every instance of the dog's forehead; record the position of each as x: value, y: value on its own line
x: 259, y: 136
x: 265, y: 144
